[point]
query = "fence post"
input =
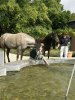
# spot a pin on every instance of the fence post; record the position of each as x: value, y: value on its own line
x: 1, y: 57
x: 2, y: 68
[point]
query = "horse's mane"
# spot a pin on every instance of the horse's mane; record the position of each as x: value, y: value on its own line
x: 25, y: 34
x: 48, y: 38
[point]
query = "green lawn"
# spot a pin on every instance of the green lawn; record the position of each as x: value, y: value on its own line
x: 38, y: 83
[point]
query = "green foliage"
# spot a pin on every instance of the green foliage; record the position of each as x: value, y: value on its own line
x: 67, y: 30
x: 37, y: 18
x: 40, y: 31
x: 72, y: 17
x: 7, y: 16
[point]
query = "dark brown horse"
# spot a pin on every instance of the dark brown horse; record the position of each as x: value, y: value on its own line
x: 49, y: 41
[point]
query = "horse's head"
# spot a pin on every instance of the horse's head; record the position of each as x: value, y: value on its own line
x: 55, y: 37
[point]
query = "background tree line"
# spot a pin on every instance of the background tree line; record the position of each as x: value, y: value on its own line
x: 37, y: 18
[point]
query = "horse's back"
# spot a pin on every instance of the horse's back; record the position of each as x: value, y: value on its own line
x: 4, y: 38
x: 8, y: 36
x: 9, y: 40
x: 25, y: 38
x: 16, y: 40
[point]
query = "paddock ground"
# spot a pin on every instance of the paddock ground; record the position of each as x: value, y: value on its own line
x: 38, y: 83
x: 13, y: 57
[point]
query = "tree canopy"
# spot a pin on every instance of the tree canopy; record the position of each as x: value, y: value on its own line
x: 36, y: 18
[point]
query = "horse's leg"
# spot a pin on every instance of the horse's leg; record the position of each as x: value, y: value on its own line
x: 22, y: 51
x: 4, y: 55
x: 8, y: 50
x: 43, y: 52
x: 48, y: 54
x: 17, y: 54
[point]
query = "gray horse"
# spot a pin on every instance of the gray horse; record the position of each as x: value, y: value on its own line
x: 19, y: 41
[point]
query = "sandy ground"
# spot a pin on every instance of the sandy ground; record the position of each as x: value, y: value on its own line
x: 13, y: 57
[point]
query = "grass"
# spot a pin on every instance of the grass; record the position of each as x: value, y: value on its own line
x: 38, y: 83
